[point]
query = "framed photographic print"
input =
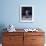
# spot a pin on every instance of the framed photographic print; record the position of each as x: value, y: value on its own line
x: 26, y: 13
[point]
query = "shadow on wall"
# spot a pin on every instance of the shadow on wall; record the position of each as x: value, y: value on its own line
x: 2, y: 26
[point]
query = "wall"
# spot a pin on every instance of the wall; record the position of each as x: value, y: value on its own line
x: 9, y: 13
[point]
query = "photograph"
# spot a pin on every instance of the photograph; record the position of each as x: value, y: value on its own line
x: 26, y: 13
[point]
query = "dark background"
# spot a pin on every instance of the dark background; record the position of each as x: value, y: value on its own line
x: 26, y: 8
